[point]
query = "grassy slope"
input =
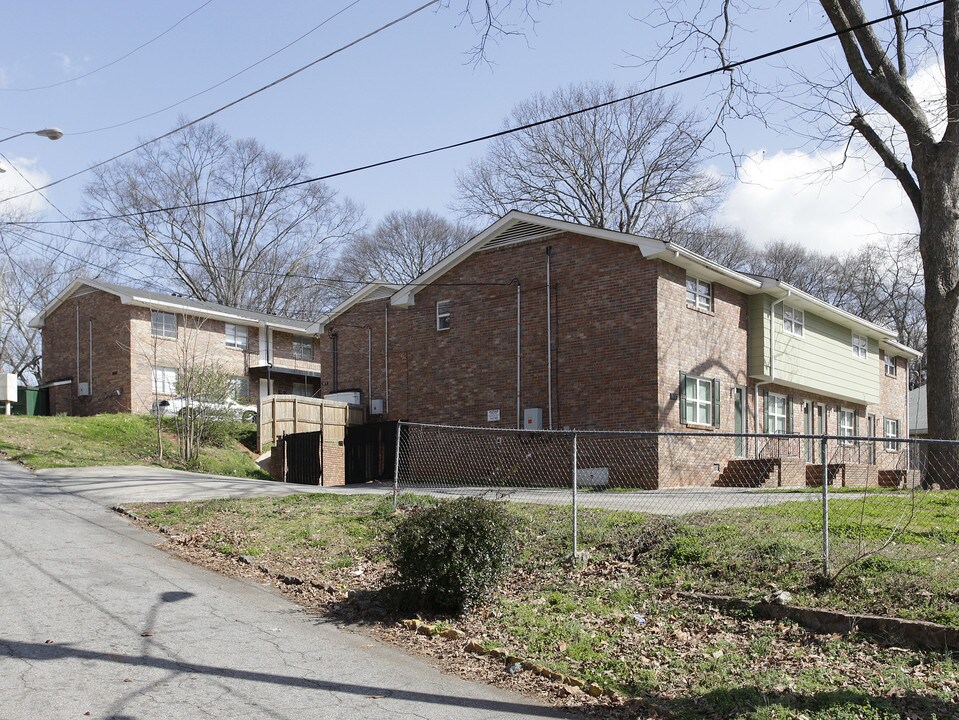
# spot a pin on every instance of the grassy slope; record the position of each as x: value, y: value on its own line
x: 685, y: 660
x: 50, y: 442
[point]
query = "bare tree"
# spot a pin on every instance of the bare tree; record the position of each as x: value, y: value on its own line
x: 402, y: 246
x: 620, y: 167
x: 263, y: 250
x: 31, y: 276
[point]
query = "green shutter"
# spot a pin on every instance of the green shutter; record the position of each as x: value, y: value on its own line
x: 855, y: 424
x: 789, y: 414
x: 682, y: 398
x: 765, y: 410
x: 716, y: 404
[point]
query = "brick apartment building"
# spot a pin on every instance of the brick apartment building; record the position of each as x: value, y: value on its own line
x: 110, y: 348
x: 540, y: 323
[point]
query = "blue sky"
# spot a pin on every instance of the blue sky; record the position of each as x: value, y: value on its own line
x: 410, y: 88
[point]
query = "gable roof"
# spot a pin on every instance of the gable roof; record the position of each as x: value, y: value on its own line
x: 174, y: 303
x: 370, y: 291
x: 516, y: 227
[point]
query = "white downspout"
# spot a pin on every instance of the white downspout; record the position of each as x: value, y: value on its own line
x: 386, y: 357
x: 549, y: 347
x: 772, y: 365
x: 519, y: 416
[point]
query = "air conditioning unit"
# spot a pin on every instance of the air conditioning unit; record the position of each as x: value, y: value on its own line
x: 352, y: 397
x: 83, y: 389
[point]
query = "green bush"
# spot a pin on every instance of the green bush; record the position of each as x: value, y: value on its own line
x: 449, y: 556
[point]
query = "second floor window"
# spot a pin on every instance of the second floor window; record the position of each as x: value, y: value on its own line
x: 237, y: 336
x: 699, y: 294
x: 889, y: 362
x: 443, y: 315
x: 860, y: 347
x: 162, y: 324
x: 794, y: 321
x: 302, y: 347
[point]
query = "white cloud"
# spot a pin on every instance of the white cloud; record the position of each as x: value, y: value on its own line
x: 11, y: 183
x: 785, y: 195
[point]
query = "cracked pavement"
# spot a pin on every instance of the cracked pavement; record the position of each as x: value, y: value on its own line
x: 97, y: 622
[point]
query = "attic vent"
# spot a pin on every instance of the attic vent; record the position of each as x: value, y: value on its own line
x: 518, y: 232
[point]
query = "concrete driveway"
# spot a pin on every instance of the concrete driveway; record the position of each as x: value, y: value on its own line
x: 96, y: 622
x: 113, y: 485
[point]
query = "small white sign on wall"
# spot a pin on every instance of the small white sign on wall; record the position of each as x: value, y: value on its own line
x: 8, y: 387
x: 492, y: 415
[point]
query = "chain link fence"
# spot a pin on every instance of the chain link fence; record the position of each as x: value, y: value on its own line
x: 841, y: 499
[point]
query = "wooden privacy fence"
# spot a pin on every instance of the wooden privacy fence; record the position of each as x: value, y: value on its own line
x: 282, y: 415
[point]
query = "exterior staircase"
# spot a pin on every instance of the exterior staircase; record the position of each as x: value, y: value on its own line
x: 750, y: 473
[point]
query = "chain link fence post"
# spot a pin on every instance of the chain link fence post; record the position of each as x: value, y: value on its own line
x: 575, y: 503
x: 825, y: 506
x: 396, y: 466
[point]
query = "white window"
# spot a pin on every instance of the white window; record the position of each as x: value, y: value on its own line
x: 162, y: 324
x: 699, y: 401
x: 890, y: 429
x: 443, y: 315
x: 794, y: 321
x: 302, y: 347
x: 303, y: 389
x: 164, y: 380
x: 239, y: 387
x: 699, y: 294
x: 237, y: 336
x: 847, y: 423
x: 776, y: 414
x: 889, y: 362
x: 860, y: 346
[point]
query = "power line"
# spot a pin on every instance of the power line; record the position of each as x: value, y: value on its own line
x: 222, y: 82
x: 112, y: 62
x: 482, y: 138
x: 230, y: 104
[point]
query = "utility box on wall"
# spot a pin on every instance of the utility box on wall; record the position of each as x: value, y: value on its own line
x: 533, y: 418
x: 8, y: 388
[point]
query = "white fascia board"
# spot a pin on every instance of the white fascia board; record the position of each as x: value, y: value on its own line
x: 803, y: 300
x: 40, y: 318
x: 706, y: 269
x: 894, y: 347
x: 356, y: 298
x: 232, y: 318
x: 404, y: 297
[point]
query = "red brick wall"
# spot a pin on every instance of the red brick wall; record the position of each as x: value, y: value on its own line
x: 603, y: 308
x: 106, y: 321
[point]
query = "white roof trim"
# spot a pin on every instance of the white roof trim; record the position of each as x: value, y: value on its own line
x: 140, y: 298
x: 362, y: 295
x: 878, y: 332
x: 514, y: 227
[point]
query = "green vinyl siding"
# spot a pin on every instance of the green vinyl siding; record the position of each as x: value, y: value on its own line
x: 821, y: 361
x: 758, y: 347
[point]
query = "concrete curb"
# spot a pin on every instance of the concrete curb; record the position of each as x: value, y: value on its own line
x: 916, y: 634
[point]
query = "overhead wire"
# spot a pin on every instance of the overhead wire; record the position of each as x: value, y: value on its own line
x: 222, y: 82
x: 112, y: 62
x: 463, y: 143
x: 237, y: 101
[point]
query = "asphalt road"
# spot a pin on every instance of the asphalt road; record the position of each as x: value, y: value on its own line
x: 96, y: 622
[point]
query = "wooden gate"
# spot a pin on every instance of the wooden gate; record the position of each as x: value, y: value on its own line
x: 370, y: 452
x: 302, y: 456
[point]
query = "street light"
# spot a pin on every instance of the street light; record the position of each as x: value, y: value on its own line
x: 49, y: 133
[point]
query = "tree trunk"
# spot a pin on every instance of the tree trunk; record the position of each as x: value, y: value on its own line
x: 939, y: 246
